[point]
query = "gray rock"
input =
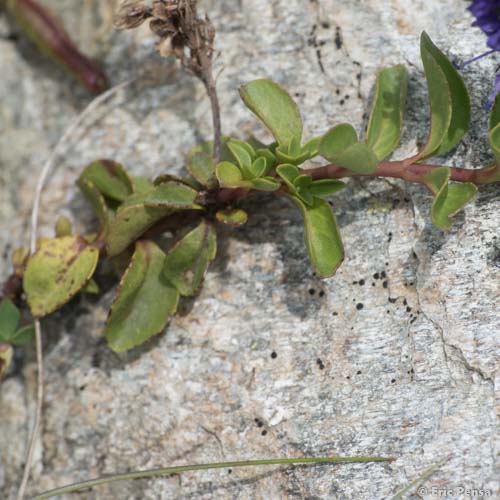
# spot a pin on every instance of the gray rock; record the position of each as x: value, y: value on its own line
x: 412, y: 375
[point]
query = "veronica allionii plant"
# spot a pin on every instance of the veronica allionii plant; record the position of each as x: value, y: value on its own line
x: 133, y: 212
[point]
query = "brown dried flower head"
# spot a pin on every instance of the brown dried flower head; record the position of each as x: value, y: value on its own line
x: 179, y: 30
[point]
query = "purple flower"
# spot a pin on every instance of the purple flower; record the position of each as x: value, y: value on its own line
x: 487, y: 14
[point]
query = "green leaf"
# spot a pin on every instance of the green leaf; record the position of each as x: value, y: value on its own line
x: 259, y: 167
x: 265, y: 184
x: 494, y: 134
x: 187, y: 262
x: 233, y: 218
x: 449, y: 100
x: 449, y: 199
x: 242, y: 157
x: 229, y: 175
x: 322, y: 236
x: 202, y: 167
x: 9, y: 319
x: 326, y: 187
x: 141, y: 211
x: 110, y: 178
x: 302, y: 181
x: 6, y: 355
x: 339, y: 145
x: 288, y: 173
x: 268, y: 155
x: 97, y: 202
x: 311, y: 148
x: 337, y: 140
x: 172, y: 195
x: 23, y: 336
x: 57, y: 272
x: 386, y: 118
x: 145, y: 300
x: 141, y: 184
x: 274, y: 106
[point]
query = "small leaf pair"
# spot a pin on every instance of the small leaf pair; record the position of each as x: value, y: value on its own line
x: 304, y: 187
x: 10, y: 333
x: 150, y: 288
x: 281, y: 115
x: 322, y: 236
x: 250, y: 170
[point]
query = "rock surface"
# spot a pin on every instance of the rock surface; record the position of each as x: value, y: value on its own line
x: 410, y: 372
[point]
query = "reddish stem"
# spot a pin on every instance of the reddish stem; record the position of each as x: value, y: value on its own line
x: 410, y: 173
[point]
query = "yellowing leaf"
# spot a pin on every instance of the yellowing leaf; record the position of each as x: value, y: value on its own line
x: 57, y: 272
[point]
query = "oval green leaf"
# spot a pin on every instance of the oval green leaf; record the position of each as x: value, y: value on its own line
x: 337, y: 140
x: 57, y: 272
x: 110, y: 178
x: 449, y: 199
x: 322, y: 236
x: 141, y: 211
x: 145, y: 300
x: 326, y: 187
x: 202, y: 167
x: 449, y: 100
x: 229, y: 175
x: 386, y: 118
x: 275, y: 108
x: 187, y: 262
x: 9, y: 319
x: 358, y: 158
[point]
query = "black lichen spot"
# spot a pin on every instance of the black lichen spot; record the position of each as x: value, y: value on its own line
x: 337, y: 91
x: 259, y: 422
x: 361, y: 282
x: 325, y: 24
x: 320, y: 364
x: 312, y: 291
x: 230, y: 471
x: 264, y: 432
x: 274, y: 355
x: 335, y: 313
x: 321, y: 293
x: 341, y: 102
x: 358, y: 372
x: 391, y: 300
x: 405, y: 302
x: 376, y: 276
x: 408, y: 309
x: 383, y: 275
x: 359, y: 306
x: 338, y: 39
x: 393, y: 381
x: 385, y: 284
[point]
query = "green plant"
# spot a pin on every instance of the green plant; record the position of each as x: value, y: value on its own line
x: 133, y: 212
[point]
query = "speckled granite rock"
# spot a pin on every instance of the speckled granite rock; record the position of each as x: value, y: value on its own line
x: 412, y: 373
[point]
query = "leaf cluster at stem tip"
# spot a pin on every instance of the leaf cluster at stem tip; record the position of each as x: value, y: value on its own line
x: 134, y: 214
